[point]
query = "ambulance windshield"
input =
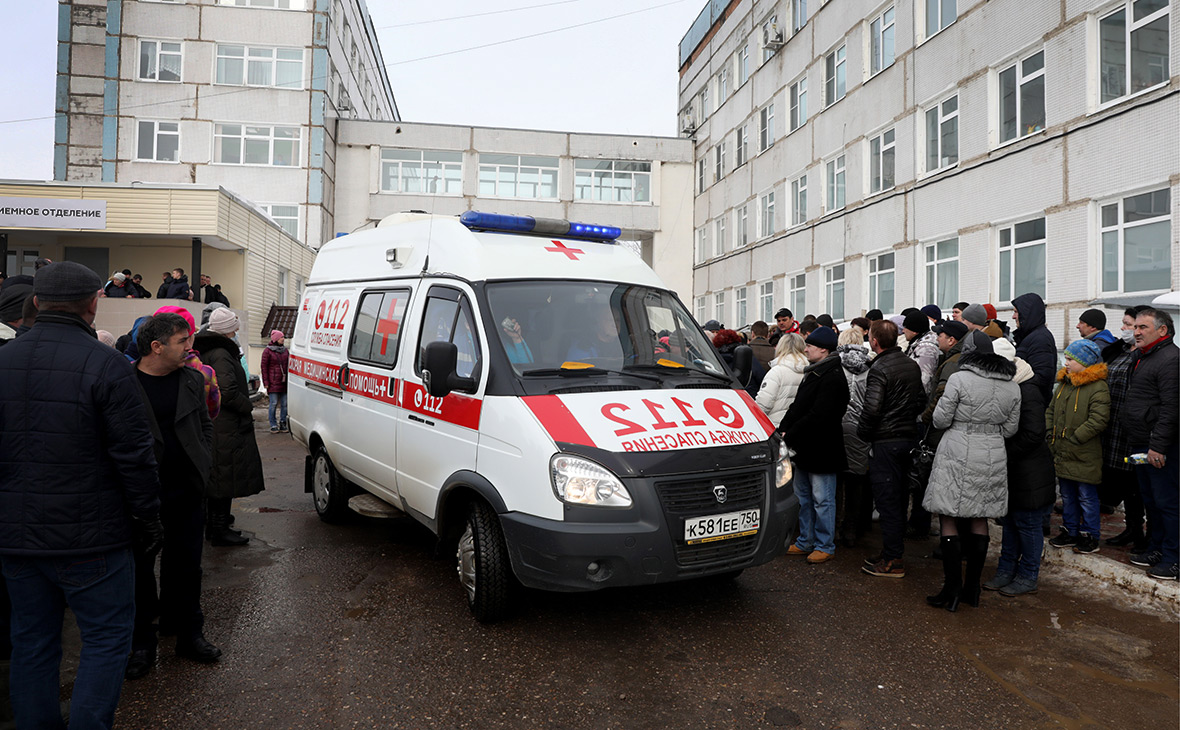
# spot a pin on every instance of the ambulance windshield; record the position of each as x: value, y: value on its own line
x: 553, y: 327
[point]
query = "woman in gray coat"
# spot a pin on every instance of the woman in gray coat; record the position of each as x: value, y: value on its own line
x: 969, y: 479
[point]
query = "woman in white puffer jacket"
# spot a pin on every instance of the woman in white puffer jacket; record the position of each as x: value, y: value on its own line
x: 782, y: 382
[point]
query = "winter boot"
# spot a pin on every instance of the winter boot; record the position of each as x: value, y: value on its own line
x: 975, y: 547
x: 952, y: 572
x: 218, y: 525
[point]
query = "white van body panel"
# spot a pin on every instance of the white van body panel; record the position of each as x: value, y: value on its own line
x: 514, y: 454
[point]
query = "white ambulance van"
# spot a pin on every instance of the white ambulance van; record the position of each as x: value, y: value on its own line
x: 531, y: 392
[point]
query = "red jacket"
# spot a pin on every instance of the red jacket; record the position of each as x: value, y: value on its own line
x: 274, y: 368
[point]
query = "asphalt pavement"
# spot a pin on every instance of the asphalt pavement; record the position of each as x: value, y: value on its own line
x: 362, y: 626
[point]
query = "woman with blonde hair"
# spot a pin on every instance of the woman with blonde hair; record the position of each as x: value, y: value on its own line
x: 852, y: 336
x: 782, y: 382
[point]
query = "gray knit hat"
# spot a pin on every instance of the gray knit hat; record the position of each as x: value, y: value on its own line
x: 65, y: 281
x: 975, y: 314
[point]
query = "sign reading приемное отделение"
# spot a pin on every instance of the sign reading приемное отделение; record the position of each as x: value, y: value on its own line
x: 52, y: 213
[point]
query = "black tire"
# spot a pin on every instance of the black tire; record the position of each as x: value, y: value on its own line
x: 329, y: 490
x: 485, y: 571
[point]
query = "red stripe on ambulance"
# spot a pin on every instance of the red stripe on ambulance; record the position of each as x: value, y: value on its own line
x: 374, y: 386
x: 557, y: 420
x: 758, y: 413
x: 461, y: 410
x: 315, y: 371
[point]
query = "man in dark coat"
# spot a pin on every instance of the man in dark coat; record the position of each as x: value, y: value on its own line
x: 813, y: 429
x: 78, y: 483
x: 894, y: 397
x: 760, y: 344
x: 237, y: 465
x: 178, y: 288
x: 162, y: 292
x: 175, y: 399
x: 1150, y: 417
x: 1035, y: 344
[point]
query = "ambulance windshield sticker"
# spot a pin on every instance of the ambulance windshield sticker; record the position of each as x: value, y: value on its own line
x: 329, y: 320
x: 652, y: 420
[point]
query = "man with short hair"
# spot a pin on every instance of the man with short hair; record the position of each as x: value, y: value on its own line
x: 162, y: 292
x: 894, y: 397
x: 760, y: 343
x: 79, y: 485
x: 175, y: 398
x: 1092, y: 325
x: 178, y: 288
x: 140, y: 289
x: 785, y: 324
x: 806, y: 327
x: 957, y: 311
x: 1150, y: 416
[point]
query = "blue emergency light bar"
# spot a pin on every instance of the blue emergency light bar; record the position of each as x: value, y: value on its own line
x: 541, y: 226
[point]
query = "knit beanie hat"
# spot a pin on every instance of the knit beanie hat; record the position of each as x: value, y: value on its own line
x: 276, y: 335
x: 12, y: 302
x: 186, y: 315
x: 1084, y: 351
x: 932, y: 311
x: 223, y: 321
x: 991, y: 311
x: 916, y: 322
x: 978, y: 342
x: 1096, y: 318
x: 975, y: 314
x: 824, y: 337
x: 1004, y: 347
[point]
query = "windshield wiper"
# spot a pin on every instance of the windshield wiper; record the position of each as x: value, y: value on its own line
x: 582, y: 372
x: 684, y: 371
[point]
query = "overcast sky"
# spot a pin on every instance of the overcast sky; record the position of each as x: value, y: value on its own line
x: 617, y: 76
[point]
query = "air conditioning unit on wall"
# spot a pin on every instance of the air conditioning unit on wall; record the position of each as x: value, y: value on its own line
x: 772, y: 37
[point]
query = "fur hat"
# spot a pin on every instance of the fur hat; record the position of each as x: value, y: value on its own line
x: 1084, y: 351
x: 223, y: 321
x: 824, y: 337
x: 975, y: 314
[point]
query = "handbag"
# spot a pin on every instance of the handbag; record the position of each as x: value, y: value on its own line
x: 921, y: 461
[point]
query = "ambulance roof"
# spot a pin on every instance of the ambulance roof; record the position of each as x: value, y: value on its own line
x: 402, y: 245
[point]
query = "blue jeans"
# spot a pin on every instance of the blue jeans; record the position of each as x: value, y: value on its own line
x: 100, y: 589
x: 1161, y: 499
x: 817, y: 511
x: 280, y: 400
x: 1080, y: 511
x: 1022, y: 544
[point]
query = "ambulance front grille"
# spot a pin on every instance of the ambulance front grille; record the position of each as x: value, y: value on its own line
x: 693, y: 497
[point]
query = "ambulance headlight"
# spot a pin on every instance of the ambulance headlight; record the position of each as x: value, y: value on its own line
x: 782, y: 467
x: 580, y: 481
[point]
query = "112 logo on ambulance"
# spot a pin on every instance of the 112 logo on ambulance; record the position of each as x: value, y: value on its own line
x: 329, y: 320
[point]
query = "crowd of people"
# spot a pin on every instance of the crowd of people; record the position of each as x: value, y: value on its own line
x: 971, y: 420
x: 120, y: 453
x: 125, y: 285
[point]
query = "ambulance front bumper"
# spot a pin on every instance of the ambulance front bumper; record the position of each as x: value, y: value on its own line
x: 597, y: 548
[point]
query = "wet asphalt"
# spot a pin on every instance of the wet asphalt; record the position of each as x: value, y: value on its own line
x: 362, y: 626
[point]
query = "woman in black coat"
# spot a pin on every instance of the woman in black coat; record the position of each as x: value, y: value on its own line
x: 237, y: 465
x: 1032, y: 488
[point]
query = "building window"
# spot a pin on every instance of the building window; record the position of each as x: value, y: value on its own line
x: 518, y: 176
x: 613, y: 181
x: 1136, y: 243
x: 881, y: 161
x: 743, y: 226
x: 703, y: 101
x: 1022, y: 97
x: 835, y: 80
x: 702, y: 244
x: 766, y: 127
x: 159, y: 60
x: 719, y: 307
x: 766, y: 301
x: 1133, y: 56
x: 722, y: 86
x: 942, y: 273
x: 798, y: 103
x: 740, y: 147
x: 766, y: 215
x: 881, y: 282
x: 799, y: 200
x: 701, y: 309
x: 942, y: 135
x: 881, y: 46
x: 701, y: 165
x: 835, y: 178
x: 743, y: 64
x: 798, y: 294
x: 719, y: 159
x: 769, y: 32
x: 275, y: 4
x: 720, y: 241
x: 798, y: 15
x: 252, y: 66
x: 834, y: 290
x: 158, y: 141
x: 251, y: 144
x: 740, y: 311
x: 436, y: 172
x: 939, y: 14
x: 281, y: 298
x: 286, y: 215
x: 1022, y: 259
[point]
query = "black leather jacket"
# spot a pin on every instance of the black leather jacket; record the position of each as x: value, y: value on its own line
x: 894, y: 397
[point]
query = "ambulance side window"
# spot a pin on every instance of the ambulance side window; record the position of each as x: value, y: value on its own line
x: 377, y: 331
x: 448, y: 318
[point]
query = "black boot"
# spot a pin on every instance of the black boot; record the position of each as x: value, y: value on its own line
x: 218, y: 525
x: 975, y: 547
x: 1126, y: 537
x: 952, y: 573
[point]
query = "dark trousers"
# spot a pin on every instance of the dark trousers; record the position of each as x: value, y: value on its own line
x: 1121, y: 485
x: 178, y: 602
x: 1161, y: 496
x: 889, y: 467
x: 857, y: 502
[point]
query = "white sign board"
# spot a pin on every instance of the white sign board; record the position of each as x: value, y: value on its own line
x: 52, y: 213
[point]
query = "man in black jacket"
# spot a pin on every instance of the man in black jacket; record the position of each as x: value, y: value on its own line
x: 175, y: 399
x: 1035, y: 343
x: 77, y: 484
x: 894, y: 397
x: 813, y: 428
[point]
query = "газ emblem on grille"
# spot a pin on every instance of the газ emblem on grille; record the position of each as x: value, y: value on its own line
x: 719, y: 492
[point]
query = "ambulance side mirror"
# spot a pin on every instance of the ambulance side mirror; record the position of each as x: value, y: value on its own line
x: 743, y: 363
x: 438, y: 370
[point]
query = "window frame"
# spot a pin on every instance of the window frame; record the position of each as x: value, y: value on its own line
x: 932, y: 265
x: 743, y: 65
x: 741, y: 145
x: 701, y: 303
x: 743, y: 225
x: 261, y: 4
x: 156, y: 57
x: 405, y: 292
x: 282, y: 286
x: 616, y: 174
x: 1130, y: 26
x: 766, y: 202
x: 273, y: 64
x: 799, y: 200
x: 719, y: 306
x: 719, y: 237
x: 741, y: 310
x: 766, y: 300
x: 464, y: 308
x: 385, y: 163
x: 835, y: 167
x: 766, y: 127
x: 830, y: 283
x: 702, y: 243
x: 837, y: 59
x: 797, y: 293
x: 876, y: 167
x: 1016, y: 65
x: 1011, y: 248
x: 943, y: 118
x: 499, y: 167
x: 297, y: 158
x: 719, y: 161
x: 875, y: 272
x: 924, y: 15
x: 797, y: 100
x: 876, y: 61
x: 156, y: 133
x: 798, y: 19
x: 702, y: 167
x: 268, y: 208
x: 1120, y: 227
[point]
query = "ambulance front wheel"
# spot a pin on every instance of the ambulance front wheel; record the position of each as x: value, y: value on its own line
x: 329, y: 490
x: 485, y: 571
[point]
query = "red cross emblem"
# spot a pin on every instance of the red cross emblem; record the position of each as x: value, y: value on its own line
x: 388, y: 325
x: 570, y: 253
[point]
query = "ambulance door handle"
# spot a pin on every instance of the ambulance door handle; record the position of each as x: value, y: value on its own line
x: 343, y: 382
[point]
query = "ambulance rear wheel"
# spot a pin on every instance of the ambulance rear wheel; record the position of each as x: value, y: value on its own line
x: 483, y: 565
x: 329, y: 490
